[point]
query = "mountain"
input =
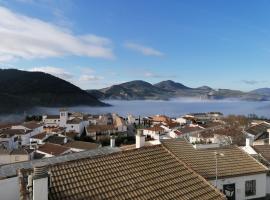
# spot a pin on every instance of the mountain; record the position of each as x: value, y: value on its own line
x: 20, y: 90
x: 140, y: 90
x: 133, y: 90
x: 171, y: 85
x: 261, y: 91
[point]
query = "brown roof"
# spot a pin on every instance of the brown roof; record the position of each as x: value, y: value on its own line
x: 71, y: 134
x: 146, y: 173
x: 6, y: 133
x: 32, y: 124
x: 39, y: 136
x: 264, y: 150
x: 190, y: 129
x: 74, y: 121
x: 155, y: 128
x: 160, y: 118
x: 258, y: 129
x: 81, y: 145
x: 235, y: 162
x: 97, y: 128
x: 53, y: 149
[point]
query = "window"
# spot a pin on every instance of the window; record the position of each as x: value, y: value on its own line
x: 250, y: 188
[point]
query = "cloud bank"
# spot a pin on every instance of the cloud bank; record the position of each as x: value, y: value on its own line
x: 22, y: 37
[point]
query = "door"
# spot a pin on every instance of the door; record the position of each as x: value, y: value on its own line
x: 229, y: 191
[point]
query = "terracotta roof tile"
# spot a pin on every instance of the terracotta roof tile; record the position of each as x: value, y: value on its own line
x: 235, y: 162
x: 146, y: 173
x: 53, y: 149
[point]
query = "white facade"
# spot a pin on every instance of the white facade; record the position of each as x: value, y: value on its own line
x: 9, y: 189
x: 25, y: 139
x: 78, y: 128
x: 261, y: 186
x: 63, y: 118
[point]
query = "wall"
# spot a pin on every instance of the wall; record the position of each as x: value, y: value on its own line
x: 7, y: 158
x: 240, y: 185
x: 9, y: 189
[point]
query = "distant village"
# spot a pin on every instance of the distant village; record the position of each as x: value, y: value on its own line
x: 229, y: 156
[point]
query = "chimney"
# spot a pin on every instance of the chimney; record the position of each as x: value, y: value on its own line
x: 249, y: 142
x: 40, y: 182
x: 140, y: 139
x: 112, y: 141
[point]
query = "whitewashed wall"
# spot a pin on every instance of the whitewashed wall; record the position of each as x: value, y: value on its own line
x: 240, y: 185
x: 9, y: 189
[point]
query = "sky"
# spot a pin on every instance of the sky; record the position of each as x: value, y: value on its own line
x: 97, y: 43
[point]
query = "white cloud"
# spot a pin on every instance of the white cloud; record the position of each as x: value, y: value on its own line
x: 55, y: 71
x: 22, y: 37
x: 148, y: 51
x: 88, y: 77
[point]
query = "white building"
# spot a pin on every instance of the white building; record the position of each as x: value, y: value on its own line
x: 230, y: 169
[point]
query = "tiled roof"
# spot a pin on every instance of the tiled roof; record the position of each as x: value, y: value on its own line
x: 74, y: 121
x: 190, y: 129
x: 10, y: 170
x: 32, y: 125
x: 235, y: 161
x: 155, y: 128
x: 160, y: 118
x: 39, y: 136
x: 6, y: 133
x: 53, y: 149
x: 258, y: 129
x: 81, y: 145
x: 264, y: 150
x: 55, y: 139
x: 146, y: 173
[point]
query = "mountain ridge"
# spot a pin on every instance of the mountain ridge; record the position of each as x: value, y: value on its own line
x: 20, y: 90
x: 165, y: 90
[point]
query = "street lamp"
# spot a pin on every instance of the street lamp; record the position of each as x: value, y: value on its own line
x: 216, y: 157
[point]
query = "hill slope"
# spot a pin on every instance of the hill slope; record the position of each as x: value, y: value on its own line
x: 20, y: 90
x: 139, y: 90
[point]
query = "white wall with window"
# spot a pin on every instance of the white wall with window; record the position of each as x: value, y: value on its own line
x: 245, y: 187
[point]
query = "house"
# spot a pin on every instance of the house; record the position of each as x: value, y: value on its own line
x: 51, y: 120
x: 9, y: 138
x: 261, y: 153
x: 143, y: 173
x: 133, y: 120
x: 154, y: 132
x: 50, y: 149
x: 39, y: 138
x: 30, y: 129
x: 69, y: 121
x: 156, y: 119
x: 119, y: 123
x: 14, y: 155
x: 230, y: 169
x: 188, y: 130
x: 209, y: 138
x: 56, y: 139
x: 98, y: 131
x: 259, y: 133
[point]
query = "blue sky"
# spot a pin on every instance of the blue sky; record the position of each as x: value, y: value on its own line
x: 97, y: 43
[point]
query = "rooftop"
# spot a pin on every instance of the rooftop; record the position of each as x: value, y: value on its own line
x: 81, y: 145
x: 235, y: 161
x: 258, y: 129
x: 53, y: 149
x: 10, y: 170
x: 146, y: 173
